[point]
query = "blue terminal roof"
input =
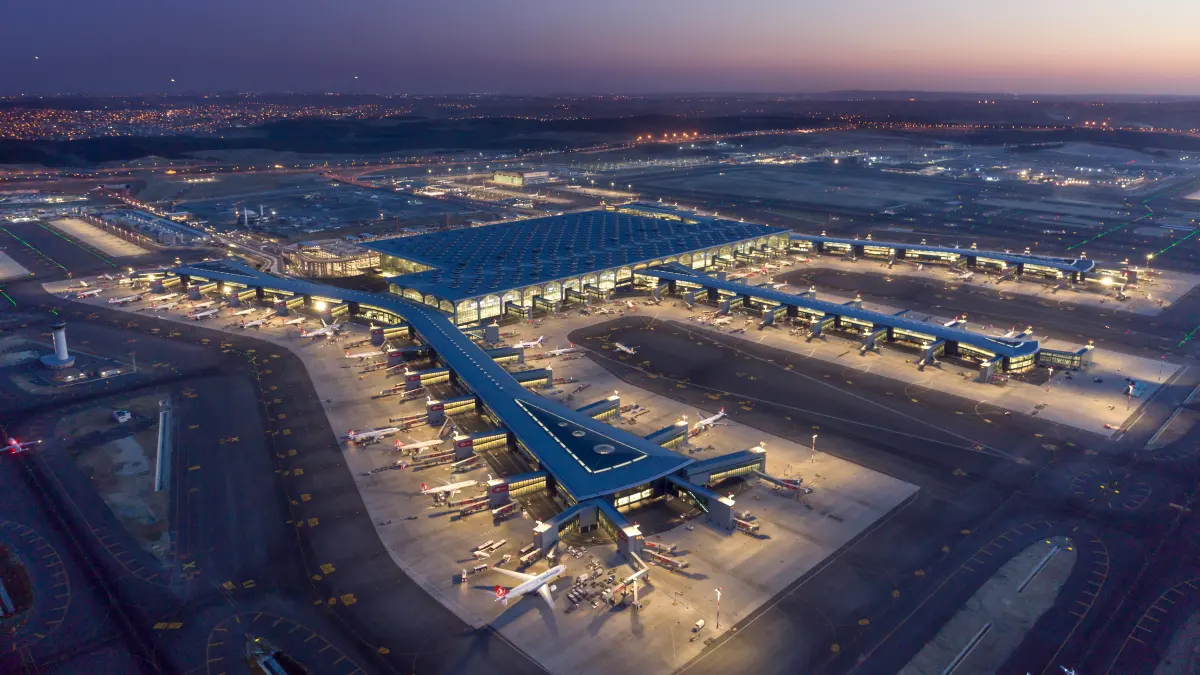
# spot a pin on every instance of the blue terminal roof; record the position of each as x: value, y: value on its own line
x: 495, y: 258
x: 1065, y: 264
x: 998, y: 345
x: 587, y: 457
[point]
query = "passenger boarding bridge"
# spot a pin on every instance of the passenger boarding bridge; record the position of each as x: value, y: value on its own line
x: 585, y: 458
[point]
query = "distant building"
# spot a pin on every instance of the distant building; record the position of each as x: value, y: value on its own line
x: 520, y: 178
x: 330, y: 258
x: 162, y: 231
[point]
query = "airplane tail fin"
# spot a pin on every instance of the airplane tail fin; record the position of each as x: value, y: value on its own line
x: 501, y: 594
x: 424, y: 487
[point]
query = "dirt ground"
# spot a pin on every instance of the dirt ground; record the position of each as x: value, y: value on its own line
x: 120, y: 460
x: 16, y: 582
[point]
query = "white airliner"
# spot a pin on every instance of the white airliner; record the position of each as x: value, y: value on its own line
x: 253, y: 324
x: 200, y: 316
x: 370, y: 434
x: 363, y: 355
x: 449, y: 488
x: 243, y: 312
x: 14, y: 446
x: 125, y: 300
x: 630, y: 305
x: 167, y: 305
x: 164, y: 296
x: 203, y: 305
x: 420, y: 445
x: 530, y: 583
x: 707, y: 422
x: 722, y: 320
x: 296, y: 321
x: 88, y: 293
x: 563, y: 350
x: 778, y: 285
x: 326, y: 330
x: 622, y: 348
x: 528, y: 345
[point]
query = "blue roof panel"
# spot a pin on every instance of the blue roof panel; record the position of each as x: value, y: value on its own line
x: 547, y: 428
x: 495, y: 258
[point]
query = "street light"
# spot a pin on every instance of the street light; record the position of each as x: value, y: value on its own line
x: 718, y: 609
x: 814, y: 449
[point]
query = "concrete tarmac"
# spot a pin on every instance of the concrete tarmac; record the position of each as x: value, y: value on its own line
x: 879, y: 599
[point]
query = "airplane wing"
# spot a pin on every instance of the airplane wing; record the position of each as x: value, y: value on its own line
x: 514, y: 574
x: 544, y: 591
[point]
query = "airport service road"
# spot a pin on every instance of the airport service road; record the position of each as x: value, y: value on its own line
x: 270, y: 520
x: 1110, y: 328
x: 896, y: 586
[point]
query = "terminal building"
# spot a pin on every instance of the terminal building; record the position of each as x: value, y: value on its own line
x: 480, y: 273
x: 1026, y: 264
x: 329, y: 258
x: 450, y: 287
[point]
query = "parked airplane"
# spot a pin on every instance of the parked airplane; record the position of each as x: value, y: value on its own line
x: 363, y: 355
x: 243, y: 312
x: 164, y: 296
x: 707, y: 422
x: 530, y: 583
x: 419, y: 445
x: 449, y: 488
x: 563, y: 350
x: 529, y: 345
x: 622, y: 348
x: 88, y: 293
x: 14, y: 446
x: 370, y: 434
x: 326, y: 330
x: 253, y: 324
x: 722, y: 320
x: 296, y: 321
x: 203, y: 305
x: 167, y: 305
x: 200, y: 316
x: 125, y: 300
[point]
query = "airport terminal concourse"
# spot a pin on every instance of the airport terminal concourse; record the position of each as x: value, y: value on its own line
x: 479, y: 273
x: 448, y: 289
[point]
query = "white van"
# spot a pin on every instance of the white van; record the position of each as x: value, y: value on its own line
x: 699, y: 625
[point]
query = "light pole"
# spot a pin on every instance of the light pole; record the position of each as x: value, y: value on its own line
x: 1149, y: 257
x: 1050, y: 379
x: 814, y: 449
x: 718, y: 609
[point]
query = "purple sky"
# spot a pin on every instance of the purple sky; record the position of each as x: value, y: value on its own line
x: 543, y: 46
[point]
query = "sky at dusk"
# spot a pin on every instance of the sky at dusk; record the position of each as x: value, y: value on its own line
x: 577, y: 46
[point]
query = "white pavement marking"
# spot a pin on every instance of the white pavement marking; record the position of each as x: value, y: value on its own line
x: 10, y: 269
